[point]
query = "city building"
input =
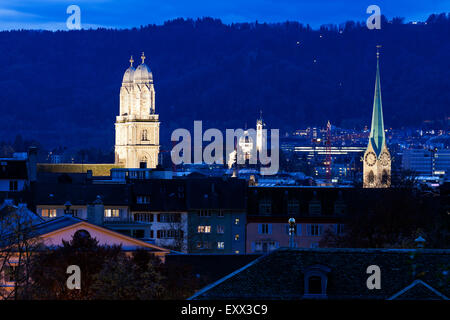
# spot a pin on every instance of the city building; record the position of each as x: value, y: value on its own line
x: 315, y: 210
x: 216, y: 215
x: 377, y: 159
x: 427, y: 162
x: 137, y: 125
x: 17, y: 172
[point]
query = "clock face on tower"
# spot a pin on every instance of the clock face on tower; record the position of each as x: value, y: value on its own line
x: 370, y: 158
x: 385, y: 158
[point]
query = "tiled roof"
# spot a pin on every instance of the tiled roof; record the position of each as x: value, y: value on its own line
x: 216, y: 193
x: 80, y: 194
x: 280, y: 274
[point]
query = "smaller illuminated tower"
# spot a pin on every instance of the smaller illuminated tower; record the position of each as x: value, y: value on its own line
x: 377, y: 159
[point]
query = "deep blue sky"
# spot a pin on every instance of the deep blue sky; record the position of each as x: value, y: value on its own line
x: 51, y: 14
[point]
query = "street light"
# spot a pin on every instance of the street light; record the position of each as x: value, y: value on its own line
x: 291, y: 232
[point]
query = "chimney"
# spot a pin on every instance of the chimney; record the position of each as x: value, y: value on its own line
x: 22, y: 205
x: 32, y: 164
x: 96, y: 211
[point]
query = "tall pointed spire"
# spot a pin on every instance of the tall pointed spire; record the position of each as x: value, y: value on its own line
x: 377, y: 137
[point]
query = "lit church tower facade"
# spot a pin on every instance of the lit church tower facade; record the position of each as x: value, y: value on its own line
x: 259, y: 133
x: 137, y: 126
x: 377, y: 159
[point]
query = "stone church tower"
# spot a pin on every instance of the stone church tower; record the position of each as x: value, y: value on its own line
x: 377, y: 159
x: 137, y: 125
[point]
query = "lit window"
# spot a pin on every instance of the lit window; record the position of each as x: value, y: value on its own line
x: 112, y: 213
x: 49, y: 213
x: 204, y: 229
x: 221, y: 245
x: 236, y: 221
x: 236, y: 237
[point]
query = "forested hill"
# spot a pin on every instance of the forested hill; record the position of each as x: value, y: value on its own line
x: 63, y: 87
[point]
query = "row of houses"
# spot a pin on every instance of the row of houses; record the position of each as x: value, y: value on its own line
x: 191, y: 214
x: 223, y: 218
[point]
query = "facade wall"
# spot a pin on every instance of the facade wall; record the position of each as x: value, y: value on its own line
x: 275, y: 234
x: 216, y: 231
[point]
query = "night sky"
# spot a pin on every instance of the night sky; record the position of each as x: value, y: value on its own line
x: 51, y: 14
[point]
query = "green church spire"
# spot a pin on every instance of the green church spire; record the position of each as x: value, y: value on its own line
x: 377, y: 131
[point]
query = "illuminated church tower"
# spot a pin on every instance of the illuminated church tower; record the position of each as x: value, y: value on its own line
x: 377, y: 160
x: 259, y: 133
x: 137, y: 126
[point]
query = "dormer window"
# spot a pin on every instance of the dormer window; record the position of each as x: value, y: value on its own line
x: 315, y: 282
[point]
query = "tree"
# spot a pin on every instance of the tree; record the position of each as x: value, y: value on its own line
x: 49, y: 276
x: 18, y: 242
x: 123, y: 279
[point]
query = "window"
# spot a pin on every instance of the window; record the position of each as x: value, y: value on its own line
x: 144, y: 135
x: 169, y: 217
x: 143, y: 199
x: 265, y: 206
x: 169, y: 234
x: 9, y: 273
x: 236, y: 221
x: 13, y: 185
x: 138, y: 233
x: 112, y: 213
x: 220, y: 214
x: 48, y: 213
x: 315, y: 230
x: 265, y: 228
x: 339, y: 228
x: 82, y: 234
x: 204, y: 213
x: 220, y: 229
x: 316, y: 278
x: 204, y: 229
x: 143, y: 217
x: 264, y: 246
x: 203, y: 245
x: 293, y: 207
x: 236, y: 237
x: 221, y: 245
x: 315, y: 285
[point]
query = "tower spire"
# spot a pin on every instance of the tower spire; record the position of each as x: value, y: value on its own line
x: 377, y: 137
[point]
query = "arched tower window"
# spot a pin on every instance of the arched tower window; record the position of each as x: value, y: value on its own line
x: 385, y: 177
x: 144, y: 135
x: 143, y: 163
x: 371, y: 177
